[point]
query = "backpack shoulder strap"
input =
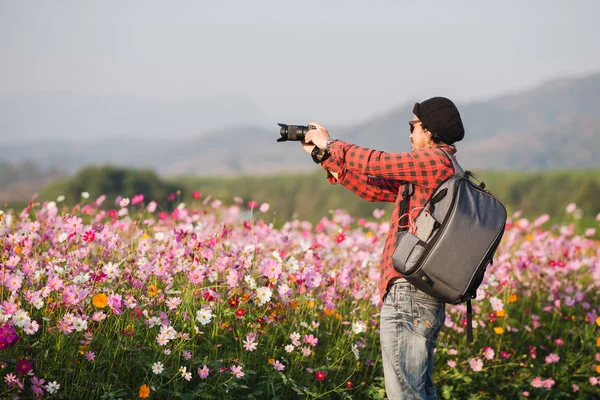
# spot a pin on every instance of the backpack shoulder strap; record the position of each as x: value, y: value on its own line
x: 458, y: 170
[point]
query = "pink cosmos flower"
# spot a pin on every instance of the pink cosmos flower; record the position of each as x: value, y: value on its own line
x: 203, y: 372
x: 552, y: 358
x: 310, y: 339
x: 73, y: 224
x: 90, y: 356
x: 488, y: 353
x: 137, y: 199
x: 548, y: 383
x: 236, y: 370
x: 451, y: 363
x: 89, y: 236
x: 278, y: 366
x: 476, y: 364
x: 13, y: 282
x: 537, y: 382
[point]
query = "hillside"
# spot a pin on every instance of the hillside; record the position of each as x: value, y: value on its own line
x: 554, y: 125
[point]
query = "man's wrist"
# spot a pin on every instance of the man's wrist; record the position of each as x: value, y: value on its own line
x: 319, y: 155
x: 328, y: 143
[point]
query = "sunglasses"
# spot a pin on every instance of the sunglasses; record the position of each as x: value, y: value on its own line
x: 412, y: 125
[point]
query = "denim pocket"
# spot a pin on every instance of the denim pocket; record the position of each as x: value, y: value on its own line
x: 427, y: 317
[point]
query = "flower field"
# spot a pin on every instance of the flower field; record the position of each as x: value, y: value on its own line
x: 212, y: 301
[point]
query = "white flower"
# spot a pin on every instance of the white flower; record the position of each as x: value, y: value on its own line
x: 82, y: 278
x: 355, y: 351
x: 85, y: 195
x: 80, y: 324
x: 124, y: 202
x: 292, y: 265
x: 38, y: 303
x: 181, y: 206
x: 250, y: 282
x: 62, y: 237
x: 20, y: 318
x: 204, y: 316
x: 496, y: 303
x: 60, y: 198
x: 52, y: 387
x: 359, y: 327
x: 158, y: 368
x: 186, y: 375
x: 289, y: 348
x: 111, y: 270
x: 264, y: 295
x: 123, y: 212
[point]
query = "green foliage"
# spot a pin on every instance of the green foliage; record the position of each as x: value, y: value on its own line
x: 112, y: 182
x: 311, y: 196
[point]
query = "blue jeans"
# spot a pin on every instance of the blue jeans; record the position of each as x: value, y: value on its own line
x: 410, y: 323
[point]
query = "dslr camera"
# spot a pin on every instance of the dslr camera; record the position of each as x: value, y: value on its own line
x: 293, y: 132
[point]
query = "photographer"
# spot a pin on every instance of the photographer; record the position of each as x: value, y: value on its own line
x: 410, y: 319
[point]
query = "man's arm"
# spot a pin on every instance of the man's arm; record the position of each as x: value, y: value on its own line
x: 415, y: 167
x: 368, y: 187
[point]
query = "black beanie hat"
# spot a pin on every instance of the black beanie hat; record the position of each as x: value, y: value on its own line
x: 440, y: 117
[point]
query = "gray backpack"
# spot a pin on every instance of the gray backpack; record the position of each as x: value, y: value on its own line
x: 453, y: 240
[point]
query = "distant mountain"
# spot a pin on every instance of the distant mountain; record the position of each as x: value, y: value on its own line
x: 554, y: 125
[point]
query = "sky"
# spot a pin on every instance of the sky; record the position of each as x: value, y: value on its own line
x: 333, y: 61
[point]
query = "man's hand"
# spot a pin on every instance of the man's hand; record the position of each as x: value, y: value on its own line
x: 308, y: 147
x: 317, y: 136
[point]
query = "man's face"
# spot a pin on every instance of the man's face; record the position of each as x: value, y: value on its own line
x: 418, y: 137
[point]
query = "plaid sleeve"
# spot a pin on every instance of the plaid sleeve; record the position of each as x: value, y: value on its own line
x: 417, y: 167
x: 370, y: 188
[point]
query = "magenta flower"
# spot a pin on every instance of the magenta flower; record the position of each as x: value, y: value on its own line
x: 23, y: 367
x: 310, y: 339
x: 137, y: 199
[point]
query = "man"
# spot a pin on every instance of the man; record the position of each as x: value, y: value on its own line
x: 410, y: 319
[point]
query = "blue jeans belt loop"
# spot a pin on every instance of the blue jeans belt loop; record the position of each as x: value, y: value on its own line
x: 400, y: 285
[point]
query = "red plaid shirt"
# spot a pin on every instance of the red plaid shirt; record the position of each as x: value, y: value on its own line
x: 380, y: 176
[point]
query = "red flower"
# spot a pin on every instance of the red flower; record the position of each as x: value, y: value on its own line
x: 172, y: 196
x: 23, y: 367
x: 112, y: 213
x: 89, y: 236
x: 340, y: 237
x: 349, y: 385
x: 240, y: 312
x: 320, y: 375
x: 233, y: 302
x: 252, y: 204
x: 196, y: 195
